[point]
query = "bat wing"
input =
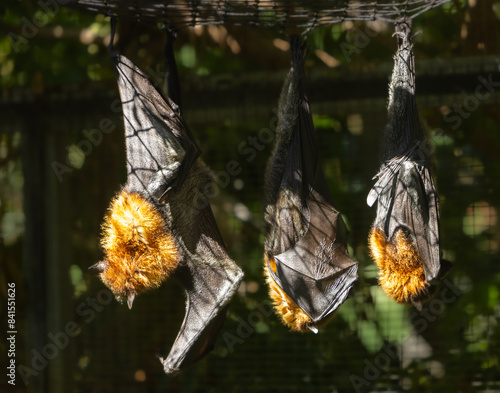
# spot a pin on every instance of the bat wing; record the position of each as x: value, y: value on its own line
x: 158, y: 140
x: 209, y: 288
x: 415, y: 207
x: 317, y: 272
x: 407, y: 198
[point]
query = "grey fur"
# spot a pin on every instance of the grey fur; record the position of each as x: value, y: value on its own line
x: 284, y: 207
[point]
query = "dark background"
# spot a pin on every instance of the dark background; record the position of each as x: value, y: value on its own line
x: 57, y: 84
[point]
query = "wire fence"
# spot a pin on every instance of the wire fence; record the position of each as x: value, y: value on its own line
x: 263, y: 13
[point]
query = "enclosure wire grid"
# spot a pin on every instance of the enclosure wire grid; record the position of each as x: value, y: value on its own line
x: 306, y: 14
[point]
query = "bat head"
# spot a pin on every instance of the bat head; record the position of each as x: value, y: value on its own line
x: 291, y: 314
x: 402, y: 274
x: 140, y: 251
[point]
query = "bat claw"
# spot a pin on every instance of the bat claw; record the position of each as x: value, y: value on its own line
x: 130, y: 300
x: 165, y: 194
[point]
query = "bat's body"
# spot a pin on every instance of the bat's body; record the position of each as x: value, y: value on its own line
x: 307, y: 265
x: 404, y: 239
x: 161, y: 223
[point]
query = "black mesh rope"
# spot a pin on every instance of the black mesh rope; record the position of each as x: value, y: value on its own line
x: 306, y: 14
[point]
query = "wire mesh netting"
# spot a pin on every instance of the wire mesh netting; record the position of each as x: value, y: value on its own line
x: 283, y: 14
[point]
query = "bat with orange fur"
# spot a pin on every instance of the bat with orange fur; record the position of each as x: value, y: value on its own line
x: 307, y: 265
x: 160, y: 224
x: 404, y: 239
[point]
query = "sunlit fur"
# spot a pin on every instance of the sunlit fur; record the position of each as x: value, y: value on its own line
x: 140, y: 252
x: 401, y: 273
x: 291, y: 314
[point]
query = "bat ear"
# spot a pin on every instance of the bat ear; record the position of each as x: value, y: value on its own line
x: 100, y: 266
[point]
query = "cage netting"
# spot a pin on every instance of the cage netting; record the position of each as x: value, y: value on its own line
x: 306, y: 14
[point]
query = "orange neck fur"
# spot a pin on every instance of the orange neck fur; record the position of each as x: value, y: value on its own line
x: 401, y: 273
x: 291, y: 314
x: 140, y: 251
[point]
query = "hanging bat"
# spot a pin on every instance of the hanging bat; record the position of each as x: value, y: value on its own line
x: 307, y: 265
x: 160, y: 223
x: 404, y: 239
